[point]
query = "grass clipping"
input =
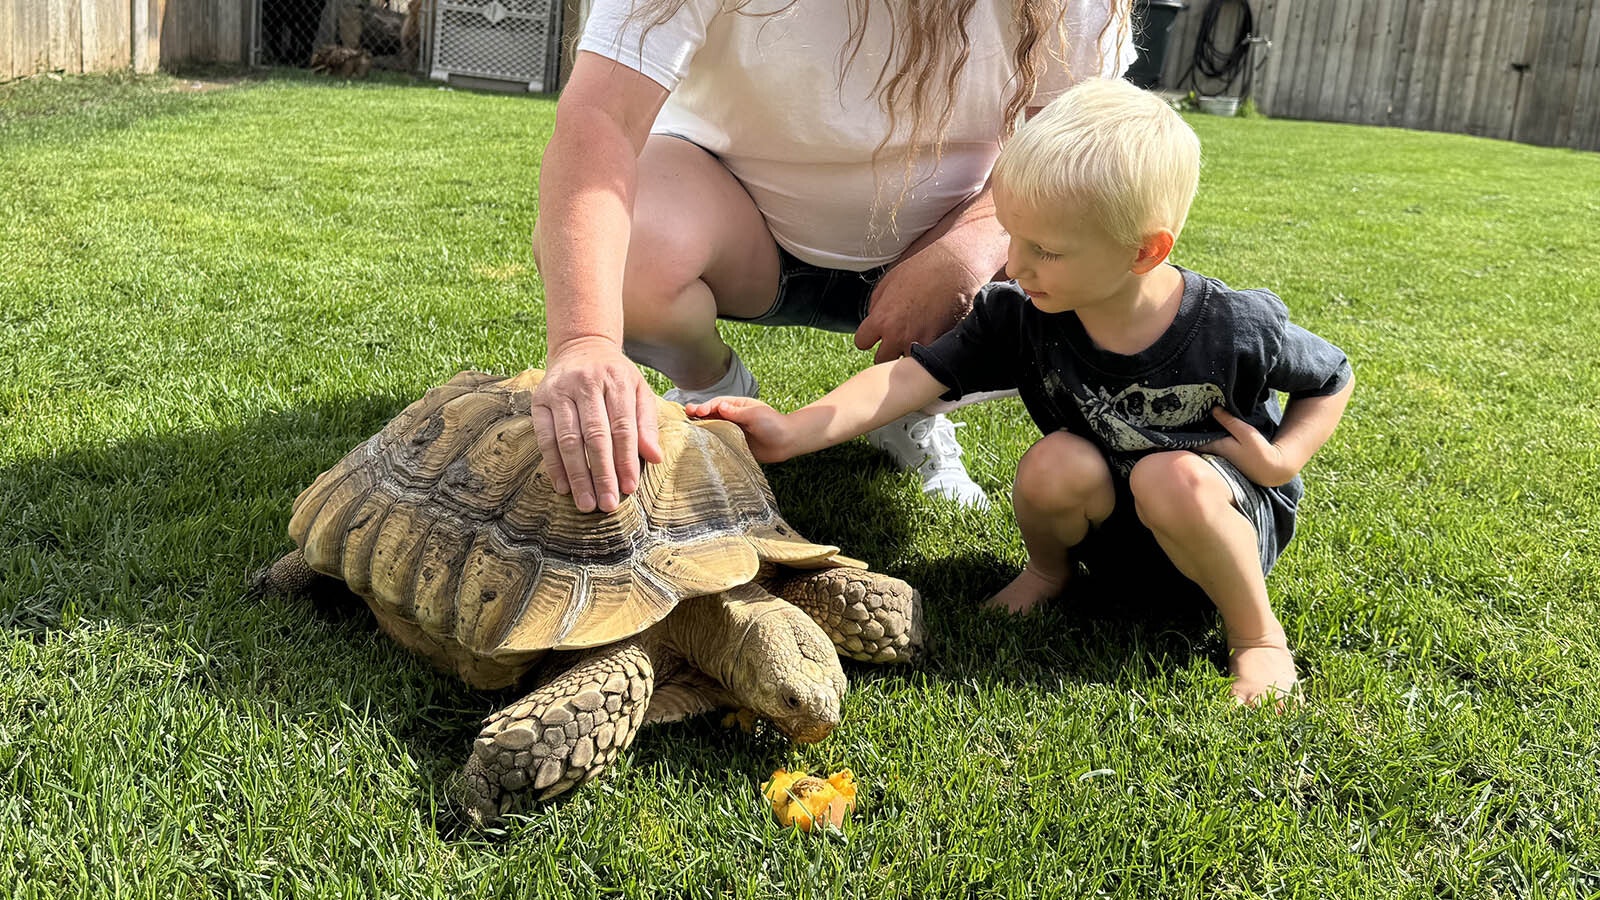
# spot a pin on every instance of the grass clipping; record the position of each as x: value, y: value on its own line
x: 804, y: 800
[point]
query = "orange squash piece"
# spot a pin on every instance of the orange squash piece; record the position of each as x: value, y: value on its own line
x: 803, y: 800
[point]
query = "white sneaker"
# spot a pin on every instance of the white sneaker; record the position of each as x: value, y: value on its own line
x: 928, y: 445
x: 736, y: 382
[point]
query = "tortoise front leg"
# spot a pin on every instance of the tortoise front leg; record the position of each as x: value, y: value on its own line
x: 868, y: 616
x: 561, y: 735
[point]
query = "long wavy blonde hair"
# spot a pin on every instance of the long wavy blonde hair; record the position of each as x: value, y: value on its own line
x: 927, y: 56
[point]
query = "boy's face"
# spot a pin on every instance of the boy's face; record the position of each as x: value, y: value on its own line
x: 1061, y: 257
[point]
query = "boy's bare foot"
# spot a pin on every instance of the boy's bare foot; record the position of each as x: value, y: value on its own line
x: 1262, y: 674
x: 1026, y: 591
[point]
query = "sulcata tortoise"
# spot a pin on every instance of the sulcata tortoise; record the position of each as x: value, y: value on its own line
x: 693, y: 595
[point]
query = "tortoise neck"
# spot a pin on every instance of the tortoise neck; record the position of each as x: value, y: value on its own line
x: 709, y: 632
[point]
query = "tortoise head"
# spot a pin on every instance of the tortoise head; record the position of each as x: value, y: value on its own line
x: 772, y: 658
x: 787, y: 671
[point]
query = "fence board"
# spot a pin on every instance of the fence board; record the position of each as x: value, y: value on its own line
x: 1533, y: 120
x: 1380, y: 98
x: 30, y: 34
x: 1507, y: 81
x: 1571, y: 74
x: 1477, y: 63
x: 1363, y: 45
x: 1587, y: 96
x: 1421, y: 26
x: 1301, y: 50
x: 1277, y: 35
x: 1337, y: 66
x: 228, y: 32
x: 1294, y: 45
x: 65, y: 36
x: 8, y: 66
x: 111, y: 41
x: 1261, y: 53
x: 1447, y: 81
x: 146, y: 37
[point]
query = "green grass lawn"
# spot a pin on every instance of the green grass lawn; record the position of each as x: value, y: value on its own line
x: 206, y: 298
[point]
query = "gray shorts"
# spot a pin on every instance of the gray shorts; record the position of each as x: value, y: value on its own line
x: 1251, y: 500
x: 830, y: 299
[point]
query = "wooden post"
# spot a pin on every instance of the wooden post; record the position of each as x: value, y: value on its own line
x: 7, y: 23
x: 146, y: 35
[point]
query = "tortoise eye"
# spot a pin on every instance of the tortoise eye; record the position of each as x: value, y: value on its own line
x: 791, y: 701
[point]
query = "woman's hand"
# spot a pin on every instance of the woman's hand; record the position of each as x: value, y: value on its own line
x: 594, y: 416
x: 920, y: 298
x: 765, y: 429
x: 933, y: 284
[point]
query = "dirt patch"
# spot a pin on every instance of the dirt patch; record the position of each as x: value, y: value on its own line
x: 204, y: 85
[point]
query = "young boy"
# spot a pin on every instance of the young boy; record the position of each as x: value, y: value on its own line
x: 1155, y: 387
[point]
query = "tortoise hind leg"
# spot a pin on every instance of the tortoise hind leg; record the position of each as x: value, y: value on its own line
x: 564, y: 733
x: 291, y: 576
x: 869, y: 617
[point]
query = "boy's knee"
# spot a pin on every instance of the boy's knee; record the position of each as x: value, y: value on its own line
x: 1062, y: 470
x: 1176, y: 488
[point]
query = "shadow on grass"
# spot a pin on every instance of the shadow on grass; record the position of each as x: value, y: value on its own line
x: 157, y: 537
x: 161, y: 535
x: 852, y: 496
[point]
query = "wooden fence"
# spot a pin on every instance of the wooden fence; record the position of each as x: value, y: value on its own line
x: 1521, y: 70
x: 75, y: 36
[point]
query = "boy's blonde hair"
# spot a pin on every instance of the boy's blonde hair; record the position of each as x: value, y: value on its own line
x: 1120, y: 151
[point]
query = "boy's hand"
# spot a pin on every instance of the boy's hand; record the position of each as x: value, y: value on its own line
x: 1258, y: 458
x: 766, y: 429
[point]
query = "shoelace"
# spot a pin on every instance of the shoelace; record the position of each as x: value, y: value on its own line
x: 937, y: 441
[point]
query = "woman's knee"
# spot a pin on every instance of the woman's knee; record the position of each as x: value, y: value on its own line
x: 1062, y: 470
x: 1176, y: 489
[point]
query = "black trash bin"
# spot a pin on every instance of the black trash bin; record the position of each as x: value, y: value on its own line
x: 1152, y: 25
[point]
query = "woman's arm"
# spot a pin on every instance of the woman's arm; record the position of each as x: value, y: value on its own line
x: 594, y: 414
x: 931, y: 286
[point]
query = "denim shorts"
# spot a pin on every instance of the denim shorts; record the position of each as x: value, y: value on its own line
x: 830, y: 299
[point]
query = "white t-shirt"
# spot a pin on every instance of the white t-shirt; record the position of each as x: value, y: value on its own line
x: 763, y: 93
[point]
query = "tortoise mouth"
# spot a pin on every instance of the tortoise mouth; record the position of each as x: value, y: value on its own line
x: 808, y: 732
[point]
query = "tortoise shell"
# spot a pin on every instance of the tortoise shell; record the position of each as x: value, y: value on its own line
x: 446, y: 523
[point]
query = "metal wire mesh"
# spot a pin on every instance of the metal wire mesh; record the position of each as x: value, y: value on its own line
x: 342, y: 36
x: 505, y: 40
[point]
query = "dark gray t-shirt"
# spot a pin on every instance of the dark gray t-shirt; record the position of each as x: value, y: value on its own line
x: 1231, y: 348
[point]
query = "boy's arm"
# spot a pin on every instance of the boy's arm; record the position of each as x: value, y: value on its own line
x: 1307, y: 424
x: 873, y: 397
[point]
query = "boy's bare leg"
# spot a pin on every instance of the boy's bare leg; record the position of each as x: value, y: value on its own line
x: 1063, y: 487
x: 1189, y: 507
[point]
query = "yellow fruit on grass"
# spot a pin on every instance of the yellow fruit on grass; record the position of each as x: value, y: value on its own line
x: 805, y: 800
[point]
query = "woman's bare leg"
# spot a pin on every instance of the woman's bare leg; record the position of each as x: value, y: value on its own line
x: 699, y: 247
